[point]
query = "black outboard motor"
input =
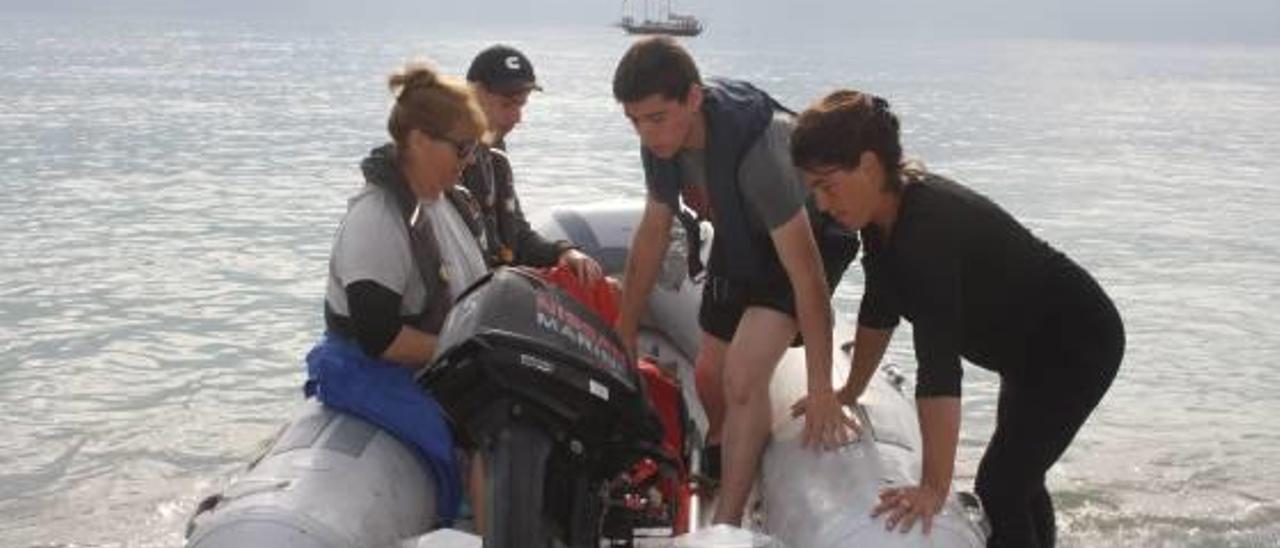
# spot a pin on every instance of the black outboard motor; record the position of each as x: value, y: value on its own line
x: 545, y: 392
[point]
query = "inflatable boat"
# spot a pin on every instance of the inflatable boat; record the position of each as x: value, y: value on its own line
x: 576, y: 452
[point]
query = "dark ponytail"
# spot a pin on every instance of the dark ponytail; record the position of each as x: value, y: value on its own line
x: 844, y: 124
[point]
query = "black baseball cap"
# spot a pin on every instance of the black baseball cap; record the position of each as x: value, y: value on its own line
x: 504, y: 70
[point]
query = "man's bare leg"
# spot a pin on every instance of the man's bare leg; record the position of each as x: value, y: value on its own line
x: 762, y: 337
x: 709, y: 381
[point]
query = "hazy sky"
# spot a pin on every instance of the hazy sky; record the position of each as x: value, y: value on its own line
x: 1231, y: 20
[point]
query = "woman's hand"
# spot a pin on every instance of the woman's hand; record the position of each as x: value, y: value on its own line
x: 905, y: 505
x: 583, y: 266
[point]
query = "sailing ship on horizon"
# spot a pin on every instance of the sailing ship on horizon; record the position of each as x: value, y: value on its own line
x: 657, y: 20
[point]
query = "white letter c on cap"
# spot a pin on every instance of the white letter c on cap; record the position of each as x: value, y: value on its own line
x: 513, y: 62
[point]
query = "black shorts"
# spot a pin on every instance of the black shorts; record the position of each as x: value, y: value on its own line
x: 724, y: 301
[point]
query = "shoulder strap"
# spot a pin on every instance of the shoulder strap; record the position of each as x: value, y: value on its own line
x: 426, y: 255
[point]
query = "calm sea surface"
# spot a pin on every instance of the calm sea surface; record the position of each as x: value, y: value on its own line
x: 170, y: 190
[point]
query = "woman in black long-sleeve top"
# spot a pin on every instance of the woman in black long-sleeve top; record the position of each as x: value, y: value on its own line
x: 977, y: 285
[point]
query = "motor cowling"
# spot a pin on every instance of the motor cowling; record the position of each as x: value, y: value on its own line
x: 514, y: 337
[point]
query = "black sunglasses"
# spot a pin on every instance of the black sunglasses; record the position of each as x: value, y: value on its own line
x: 464, y: 149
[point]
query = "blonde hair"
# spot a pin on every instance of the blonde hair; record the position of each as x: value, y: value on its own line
x: 439, y: 106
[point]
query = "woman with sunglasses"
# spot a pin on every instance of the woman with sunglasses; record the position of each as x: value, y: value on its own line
x: 407, y: 247
x: 976, y: 285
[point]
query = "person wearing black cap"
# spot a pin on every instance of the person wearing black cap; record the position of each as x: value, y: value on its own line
x: 503, y: 79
